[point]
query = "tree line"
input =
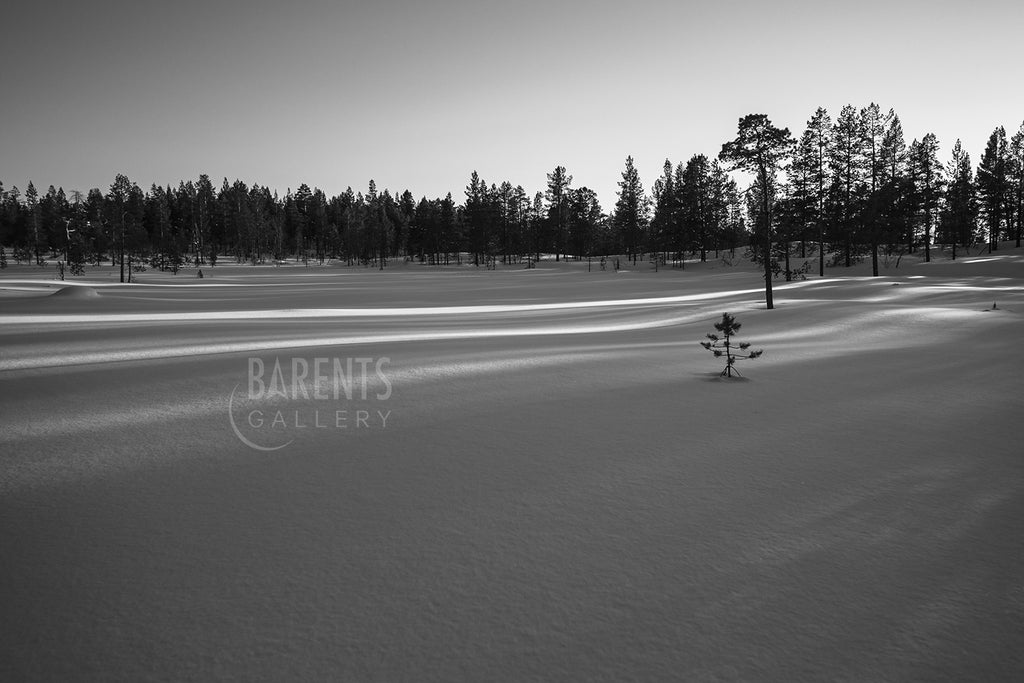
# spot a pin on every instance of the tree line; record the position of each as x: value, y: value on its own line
x: 856, y: 187
x: 845, y: 189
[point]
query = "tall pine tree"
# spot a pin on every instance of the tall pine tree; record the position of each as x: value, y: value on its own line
x: 929, y: 185
x: 959, y: 214
x: 994, y: 185
x: 846, y: 163
x: 1015, y: 176
x: 557, y: 196
x: 631, y: 210
x: 760, y: 148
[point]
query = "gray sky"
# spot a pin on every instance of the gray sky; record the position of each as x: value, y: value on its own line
x: 418, y: 94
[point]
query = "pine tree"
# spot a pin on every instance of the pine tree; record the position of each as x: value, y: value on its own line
x: 874, y: 126
x: 801, y: 195
x: 447, y: 228
x: 631, y: 210
x: 665, y: 198
x: 890, y: 201
x: 557, y: 196
x: 721, y: 193
x: 204, y: 201
x: 959, y: 213
x: 1015, y: 175
x: 319, y: 228
x: 519, y: 218
x: 929, y: 184
x: 993, y: 185
x: 584, y: 217
x: 760, y: 148
x: 74, y: 253
x: 117, y: 205
x: 723, y: 346
x: 32, y: 206
x: 476, y: 216
x: 820, y: 129
x: 780, y: 221
x: 696, y: 203
x: 846, y: 163
x: 893, y: 150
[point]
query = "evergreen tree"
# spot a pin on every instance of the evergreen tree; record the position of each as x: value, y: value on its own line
x: 631, y: 210
x: 584, y: 219
x: 407, y: 210
x: 790, y: 225
x: 478, y: 219
x: 681, y: 238
x: 17, y: 220
x: 319, y: 227
x: 813, y: 155
x: 34, y: 221
x: 929, y: 184
x: 557, y: 196
x: 734, y: 228
x: 892, y: 201
x: 893, y: 150
x: 74, y: 251
x: 4, y: 235
x: 846, y: 163
x: 354, y: 232
x: 519, y: 218
x: 802, y: 187
x: 420, y: 230
x: 380, y: 225
x: 760, y: 148
x: 696, y: 204
x: 300, y: 217
x: 204, y: 202
x: 166, y: 254
x: 96, y: 239
x: 54, y: 212
x: 874, y: 126
x: 781, y: 221
x: 665, y: 196
x: 959, y: 214
x: 1015, y: 176
x: 722, y: 192
x: 117, y: 207
x: 994, y: 185
x: 538, y: 222
x: 447, y: 227
x: 724, y: 346
x: 136, y: 240
x: 505, y: 218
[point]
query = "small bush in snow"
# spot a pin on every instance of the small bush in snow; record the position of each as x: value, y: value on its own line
x: 724, y: 346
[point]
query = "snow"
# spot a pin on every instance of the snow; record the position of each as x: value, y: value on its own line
x: 564, y: 489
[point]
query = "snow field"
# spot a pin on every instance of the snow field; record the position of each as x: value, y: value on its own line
x: 563, y: 493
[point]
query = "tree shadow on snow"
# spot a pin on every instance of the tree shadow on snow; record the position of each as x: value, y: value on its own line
x: 717, y: 377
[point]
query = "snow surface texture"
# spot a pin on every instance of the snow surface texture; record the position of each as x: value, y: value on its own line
x: 563, y: 488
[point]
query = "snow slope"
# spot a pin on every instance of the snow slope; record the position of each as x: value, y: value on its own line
x: 563, y: 488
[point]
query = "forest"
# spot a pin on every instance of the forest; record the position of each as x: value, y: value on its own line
x: 844, y: 190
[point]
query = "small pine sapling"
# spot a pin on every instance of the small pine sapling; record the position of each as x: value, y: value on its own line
x: 724, y: 346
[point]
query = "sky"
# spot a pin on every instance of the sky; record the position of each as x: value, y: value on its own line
x: 417, y: 95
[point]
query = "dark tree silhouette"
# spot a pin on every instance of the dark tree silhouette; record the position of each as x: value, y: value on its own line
x: 760, y: 148
x: 993, y: 185
x: 631, y: 210
x: 724, y: 346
